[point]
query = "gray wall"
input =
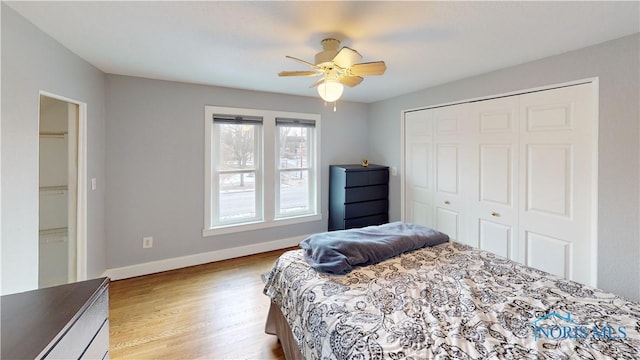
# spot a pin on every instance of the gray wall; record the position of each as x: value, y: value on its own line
x: 155, y: 164
x: 32, y: 61
x: 616, y: 63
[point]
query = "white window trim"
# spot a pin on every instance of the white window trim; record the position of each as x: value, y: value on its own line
x: 269, y: 153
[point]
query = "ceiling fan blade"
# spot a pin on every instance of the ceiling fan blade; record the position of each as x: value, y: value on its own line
x: 346, y: 57
x: 302, y: 61
x: 318, y: 82
x: 298, y: 73
x: 370, y: 68
x: 350, y: 81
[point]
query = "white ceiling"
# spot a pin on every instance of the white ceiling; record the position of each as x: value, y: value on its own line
x: 243, y: 44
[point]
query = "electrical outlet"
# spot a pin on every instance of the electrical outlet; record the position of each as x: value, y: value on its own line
x: 147, y: 242
x: 394, y: 171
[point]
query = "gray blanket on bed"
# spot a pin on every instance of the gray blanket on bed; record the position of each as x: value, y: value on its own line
x: 338, y: 252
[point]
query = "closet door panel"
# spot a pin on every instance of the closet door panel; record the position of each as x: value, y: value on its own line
x: 448, y: 222
x: 447, y: 160
x: 548, y: 174
x: 496, y: 174
x: 448, y: 121
x: 495, y: 237
x: 557, y: 221
x: 420, y: 199
x: 449, y: 202
x: 548, y: 254
x: 497, y: 117
x: 494, y: 209
x: 418, y: 167
x: 549, y: 116
x: 451, y: 188
x: 493, y: 203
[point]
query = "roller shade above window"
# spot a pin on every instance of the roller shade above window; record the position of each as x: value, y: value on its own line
x: 236, y: 119
x: 295, y: 122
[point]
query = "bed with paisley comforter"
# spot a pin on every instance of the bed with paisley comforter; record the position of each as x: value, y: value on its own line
x: 448, y: 301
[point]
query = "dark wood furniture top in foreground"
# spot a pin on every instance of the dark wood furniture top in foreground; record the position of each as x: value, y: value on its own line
x: 46, y: 322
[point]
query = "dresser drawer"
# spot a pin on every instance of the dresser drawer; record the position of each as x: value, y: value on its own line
x: 99, y: 347
x: 57, y: 322
x: 81, y: 333
x: 366, y: 208
x: 366, y: 193
x: 366, y: 221
x: 365, y: 178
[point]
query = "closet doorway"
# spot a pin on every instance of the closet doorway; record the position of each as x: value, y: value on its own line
x: 59, y: 207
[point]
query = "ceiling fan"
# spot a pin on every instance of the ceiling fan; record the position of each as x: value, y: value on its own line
x: 337, y: 68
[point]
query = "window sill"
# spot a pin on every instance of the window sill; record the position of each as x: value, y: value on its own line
x: 236, y: 228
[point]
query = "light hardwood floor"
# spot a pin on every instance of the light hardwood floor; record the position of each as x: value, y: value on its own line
x: 211, y: 311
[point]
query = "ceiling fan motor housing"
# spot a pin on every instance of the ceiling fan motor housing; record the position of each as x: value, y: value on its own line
x: 338, y: 67
x: 330, y: 50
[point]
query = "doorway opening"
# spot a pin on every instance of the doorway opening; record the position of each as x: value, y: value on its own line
x: 61, y: 240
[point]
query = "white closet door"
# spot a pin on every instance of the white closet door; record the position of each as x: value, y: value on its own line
x: 450, y: 148
x: 418, y: 167
x: 557, y: 182
x: 494, y: 166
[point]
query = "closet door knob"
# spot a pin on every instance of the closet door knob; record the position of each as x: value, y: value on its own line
x: 495, y: 214
x: 447, y: 202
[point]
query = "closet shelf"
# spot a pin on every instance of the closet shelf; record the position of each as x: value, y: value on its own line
x: 54, y: 188
x: 53, y: 133
x: 53, y: 231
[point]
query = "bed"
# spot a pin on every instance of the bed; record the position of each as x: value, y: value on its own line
x: 447, y: 301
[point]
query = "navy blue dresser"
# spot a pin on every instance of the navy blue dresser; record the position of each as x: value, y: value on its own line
x: 358, y: 196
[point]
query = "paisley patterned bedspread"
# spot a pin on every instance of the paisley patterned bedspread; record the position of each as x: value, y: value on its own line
x: 450, y: 302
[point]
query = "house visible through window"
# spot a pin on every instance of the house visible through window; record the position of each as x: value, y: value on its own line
x: 260, y: 169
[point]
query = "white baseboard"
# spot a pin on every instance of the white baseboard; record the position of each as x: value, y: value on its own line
x: 197, y: 259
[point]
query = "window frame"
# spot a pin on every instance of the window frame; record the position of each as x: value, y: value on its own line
x: 269, y: 194
x: 311, y: 168
x: 257, y: 171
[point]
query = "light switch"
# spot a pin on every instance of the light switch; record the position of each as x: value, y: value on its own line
x: 93, y: 183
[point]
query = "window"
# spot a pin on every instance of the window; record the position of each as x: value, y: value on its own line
x: 236, y: 147
x: 260, y: 169
x: 295, y: 193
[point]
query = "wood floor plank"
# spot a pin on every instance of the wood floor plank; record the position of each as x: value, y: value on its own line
x: 210, y: 311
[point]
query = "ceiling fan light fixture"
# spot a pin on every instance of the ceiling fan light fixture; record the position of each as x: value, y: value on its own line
x: 338, y: 68
x: 330, y: 91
